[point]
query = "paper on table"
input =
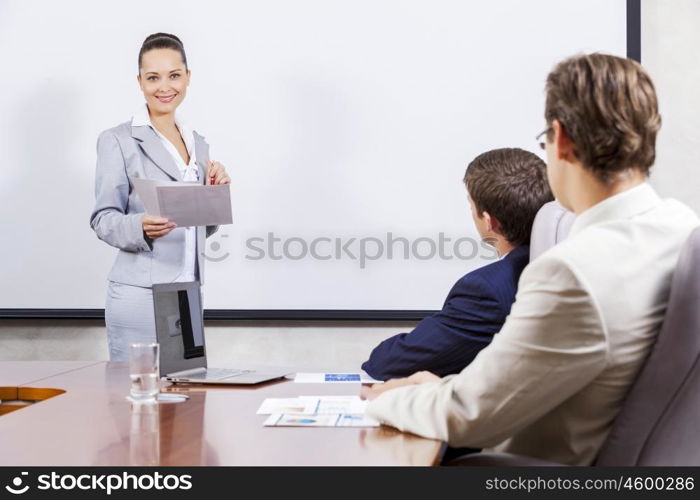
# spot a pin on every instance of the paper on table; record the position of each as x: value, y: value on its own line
x: 335, y: 420
x: 300, y: 420
x: 335, y: 378
x: 336, y: 404
x: 287, y: 405
x: 348, y: 420
x: 186, y: 203
x: 313, y: 405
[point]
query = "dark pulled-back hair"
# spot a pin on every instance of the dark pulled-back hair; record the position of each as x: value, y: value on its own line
x: 162, y: 41
x: 511, y: 185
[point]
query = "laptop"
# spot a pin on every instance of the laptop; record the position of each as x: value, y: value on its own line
x: 180, y: 333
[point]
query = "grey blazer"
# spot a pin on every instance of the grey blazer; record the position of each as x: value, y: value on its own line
x: 125, y: 153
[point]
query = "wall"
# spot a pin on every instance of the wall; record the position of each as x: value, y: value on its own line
x: 304, y: 346
x: 670, y: 48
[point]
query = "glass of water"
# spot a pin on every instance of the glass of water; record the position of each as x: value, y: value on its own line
x: 144, y: 372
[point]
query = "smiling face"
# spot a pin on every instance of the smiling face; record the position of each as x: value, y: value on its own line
x: 164, y: 79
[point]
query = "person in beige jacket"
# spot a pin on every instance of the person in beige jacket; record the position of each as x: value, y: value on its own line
x: 588, y: 310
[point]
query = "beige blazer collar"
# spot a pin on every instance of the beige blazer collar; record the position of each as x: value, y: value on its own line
x: 624, y: 205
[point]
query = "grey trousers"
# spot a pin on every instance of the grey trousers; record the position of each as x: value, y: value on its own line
x: 129, y: 317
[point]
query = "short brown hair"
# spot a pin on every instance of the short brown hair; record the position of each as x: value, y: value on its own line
x: 511, y: 185
x: 607, y: 106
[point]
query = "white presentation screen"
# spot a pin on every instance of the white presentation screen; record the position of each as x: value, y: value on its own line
x: 346, y: 127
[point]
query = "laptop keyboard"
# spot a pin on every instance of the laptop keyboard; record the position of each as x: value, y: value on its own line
x: 218, y: 374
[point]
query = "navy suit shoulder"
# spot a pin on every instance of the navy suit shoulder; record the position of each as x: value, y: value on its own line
x: 444, y: 343
x: 502, y: 276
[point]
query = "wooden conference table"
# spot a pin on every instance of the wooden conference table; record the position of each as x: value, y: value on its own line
x: 81, y: 417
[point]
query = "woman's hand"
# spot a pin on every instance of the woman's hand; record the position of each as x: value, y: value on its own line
x: 372, y: 391
x: 156, y: 227
x: 216, y: 174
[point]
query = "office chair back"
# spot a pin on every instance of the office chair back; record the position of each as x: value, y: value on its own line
x: 552, y: 224
x: 660, y: 417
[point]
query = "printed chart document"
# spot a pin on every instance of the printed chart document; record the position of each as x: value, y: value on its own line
x: 335, y: 378
x: 313, y: 405
x: 331, y: 420
x: 186, y: 203
x: 316, y: 411
x: 286, y: 405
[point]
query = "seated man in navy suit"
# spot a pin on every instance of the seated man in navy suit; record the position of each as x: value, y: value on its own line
x: 506, y: 188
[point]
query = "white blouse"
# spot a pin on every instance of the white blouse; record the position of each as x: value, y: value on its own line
x: 189, y: 173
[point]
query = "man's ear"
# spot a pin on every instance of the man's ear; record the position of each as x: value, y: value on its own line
x: 491, y: 222
x: 562, y: 141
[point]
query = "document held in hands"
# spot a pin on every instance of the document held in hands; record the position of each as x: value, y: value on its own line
x: 186, y: 203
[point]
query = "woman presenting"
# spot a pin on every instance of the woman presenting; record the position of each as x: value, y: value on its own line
x: 154, y: 144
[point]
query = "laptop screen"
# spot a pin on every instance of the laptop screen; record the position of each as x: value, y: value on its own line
x: 179, y: 326
x: 192, y: 339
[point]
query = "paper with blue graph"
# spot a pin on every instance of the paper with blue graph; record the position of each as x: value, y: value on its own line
x: 316, y: 411
x: 335, y: 378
